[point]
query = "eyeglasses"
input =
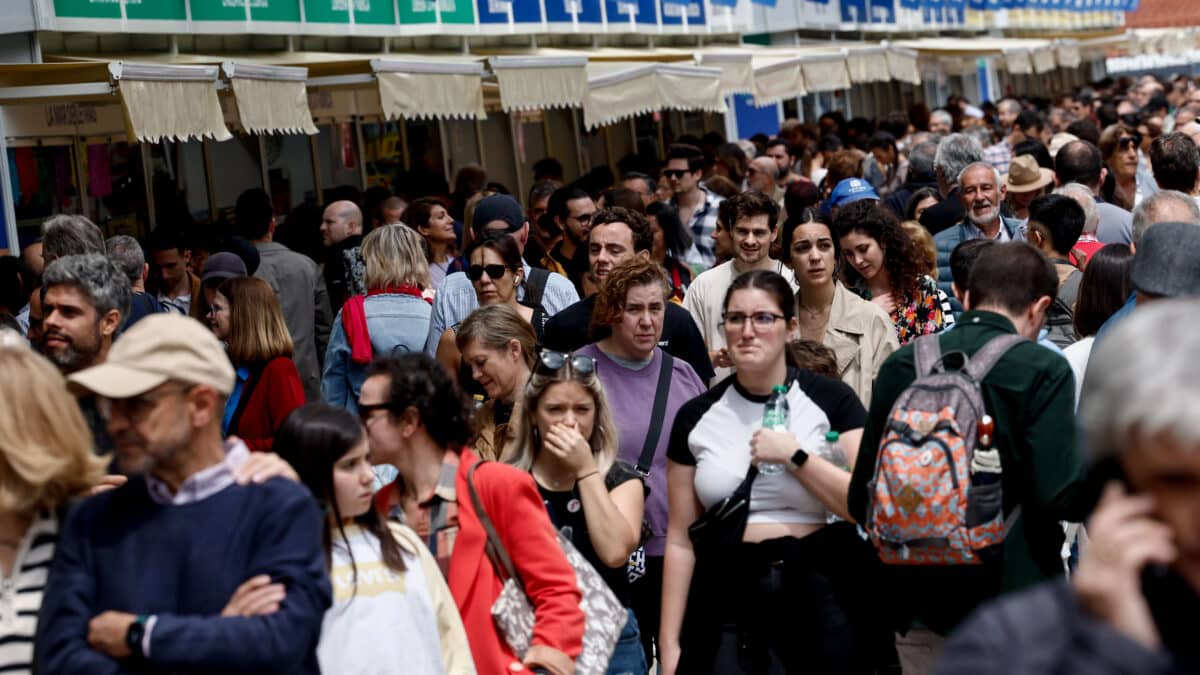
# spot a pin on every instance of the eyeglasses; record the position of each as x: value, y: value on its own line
x: 551, y: 362
x: 475, y: 272
x: 585, y: 218
x: 366, y: 410
x: 760, y: 320
x: 137, y: 408
x: 1125, y: 141
x: 673, y: 173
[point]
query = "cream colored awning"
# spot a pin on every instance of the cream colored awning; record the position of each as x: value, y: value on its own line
x: 868, y: 64
x: 1018, y: 62
x: 737, y: 69
x: 1043, y: 60
x: 825, y: 72
x: 165, y: 102
x: 902, y: 65
x: 619, y: 90
x: 1067, y: 53
x: 540, y: 82
x: 270, y: 99
x: 419, y: 88
x: 778, y: 79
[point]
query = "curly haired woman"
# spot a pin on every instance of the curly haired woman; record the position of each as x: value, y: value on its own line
x: 883, y: 264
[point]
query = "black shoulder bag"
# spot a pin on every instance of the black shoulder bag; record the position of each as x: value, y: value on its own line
x: 636, y: 567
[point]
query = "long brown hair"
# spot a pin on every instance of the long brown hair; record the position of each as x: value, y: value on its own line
x: 257, y: 331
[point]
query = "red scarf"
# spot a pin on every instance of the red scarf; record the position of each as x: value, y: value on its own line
x: 354, y: 320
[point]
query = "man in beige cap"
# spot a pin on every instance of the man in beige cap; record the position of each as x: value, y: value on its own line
x: 144, y: 574
x: 1025, y: 182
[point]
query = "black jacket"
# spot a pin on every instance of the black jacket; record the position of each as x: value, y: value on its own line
x: 945, y: 215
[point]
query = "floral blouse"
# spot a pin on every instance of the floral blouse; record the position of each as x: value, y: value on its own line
x: 928, y: 312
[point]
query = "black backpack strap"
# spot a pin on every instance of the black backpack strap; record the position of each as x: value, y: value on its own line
x: 927, y: 351
x: 535, y: 286
x: 987, y: 356
x: 646, y: 459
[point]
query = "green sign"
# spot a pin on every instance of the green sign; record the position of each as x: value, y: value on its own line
x: 235, y: 10
x: 371, y: 12
x: 426, y: 11
x: 146, y: 10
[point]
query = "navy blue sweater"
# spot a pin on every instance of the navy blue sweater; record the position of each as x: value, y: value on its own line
x: 122, y: 551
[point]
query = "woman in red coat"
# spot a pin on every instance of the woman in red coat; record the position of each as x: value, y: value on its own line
x: 417, y: 421
x: 245, y: 315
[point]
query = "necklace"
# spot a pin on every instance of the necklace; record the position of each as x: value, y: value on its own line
x: 814, y: 313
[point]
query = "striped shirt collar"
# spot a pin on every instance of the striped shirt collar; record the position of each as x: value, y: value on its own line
x: 202, y: 484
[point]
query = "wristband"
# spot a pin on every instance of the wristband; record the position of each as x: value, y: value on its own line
x: 587, y: 475
x: 798, y: 459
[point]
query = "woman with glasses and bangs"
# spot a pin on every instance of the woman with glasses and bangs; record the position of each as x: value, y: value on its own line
x: 782, y: 600
x: 496, y: 272
x: 565, y: 438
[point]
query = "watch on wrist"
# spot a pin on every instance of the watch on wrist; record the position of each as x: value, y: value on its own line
x: 135, y: 634
x: 797, y: 460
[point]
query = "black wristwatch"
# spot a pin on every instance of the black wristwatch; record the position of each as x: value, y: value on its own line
x: 797, y: 460
x: 135, y: 634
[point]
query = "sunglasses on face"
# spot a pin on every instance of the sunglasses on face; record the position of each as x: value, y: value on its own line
x: 475, y: 272
x: 1125, y: 141
x: 550, y: 362
x: 674, y: 173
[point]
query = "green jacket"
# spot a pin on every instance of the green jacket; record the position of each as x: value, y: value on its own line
x: 1030, y: 395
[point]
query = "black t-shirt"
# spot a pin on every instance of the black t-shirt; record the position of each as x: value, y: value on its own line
x: 569, y: 330
x: 566, y: 512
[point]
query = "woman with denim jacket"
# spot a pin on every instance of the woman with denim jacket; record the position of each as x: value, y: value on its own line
x: 393, y: 317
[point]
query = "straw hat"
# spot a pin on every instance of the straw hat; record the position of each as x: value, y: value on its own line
x: 1026, y: 176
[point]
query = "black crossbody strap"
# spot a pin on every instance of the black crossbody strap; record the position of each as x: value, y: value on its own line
x: 646, y: 459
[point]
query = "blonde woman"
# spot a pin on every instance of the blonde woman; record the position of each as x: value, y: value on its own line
x: 499, y: 349
x: 565, y: 437
x: 245, y: 315
x: 393, y: 317
x: 45, y: 458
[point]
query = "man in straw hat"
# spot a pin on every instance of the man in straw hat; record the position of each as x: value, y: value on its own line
x: 144, y: 574
x: 1025, y: 182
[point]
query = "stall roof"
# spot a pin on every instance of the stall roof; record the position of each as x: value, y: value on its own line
x: 619, y: 89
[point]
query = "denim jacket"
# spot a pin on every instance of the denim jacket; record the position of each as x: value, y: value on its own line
x: 397, y: 324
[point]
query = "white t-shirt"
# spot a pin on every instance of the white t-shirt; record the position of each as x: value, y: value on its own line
x: 705, y: 300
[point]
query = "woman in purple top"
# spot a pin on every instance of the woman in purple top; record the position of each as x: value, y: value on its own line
x: 629, y: 363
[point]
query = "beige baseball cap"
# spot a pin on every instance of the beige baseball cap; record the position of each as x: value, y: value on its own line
x: 157, y: 349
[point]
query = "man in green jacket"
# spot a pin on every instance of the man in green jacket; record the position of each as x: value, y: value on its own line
x: 1030, y: 395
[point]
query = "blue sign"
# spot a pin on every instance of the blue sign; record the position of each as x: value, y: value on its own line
x: 752, y: 119
x: 881, y: 11
x: 643, y: 11
x: 561, y: 11
x: 673, y: 11
x: 496, y: 11
x: 855, y: 11
x: 768, y: 3
x: 725, y: 3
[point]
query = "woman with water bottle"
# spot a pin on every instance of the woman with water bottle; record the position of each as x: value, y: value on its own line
x: 776, y: 601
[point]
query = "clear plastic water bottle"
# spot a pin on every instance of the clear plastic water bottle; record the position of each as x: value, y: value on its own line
x: 832, y: 450
x: 775, y: 418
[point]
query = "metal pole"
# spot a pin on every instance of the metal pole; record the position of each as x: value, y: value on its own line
x: 148, y: 180
x: 404, y: 142
x: 575, y: 127
x: 206, y: 151
x: 262, y: 163
x: 512, y: 139
x: 10, y: 213
x: 445, y: 148
x: 362, y: 157
x: 314, y: 148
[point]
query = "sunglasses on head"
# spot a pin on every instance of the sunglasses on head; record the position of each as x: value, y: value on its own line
x: 552, y: 362
x: 674, y: 173
x: 475, y: 272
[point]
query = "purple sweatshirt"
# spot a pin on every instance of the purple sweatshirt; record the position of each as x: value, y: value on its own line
x: 631, y: 396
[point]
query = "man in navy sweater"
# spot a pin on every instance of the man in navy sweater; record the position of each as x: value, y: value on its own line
x: 143, y: 573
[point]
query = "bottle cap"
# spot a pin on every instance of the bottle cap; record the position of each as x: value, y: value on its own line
x: 832, y: 436
x: 779, y: 387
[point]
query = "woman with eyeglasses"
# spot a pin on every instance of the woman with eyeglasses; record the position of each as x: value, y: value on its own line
x: 860, y: 333
x: 776, y: 602
x: 392, y: 317
x: 392, y: 609
x: 499, y: 348
x: 564, y: 436
x: 245, y: 315
x: 496, y: 273
x: 645, y: 387
x: 883, y: 265
x: 417, y: 421
x: 1119, y: 147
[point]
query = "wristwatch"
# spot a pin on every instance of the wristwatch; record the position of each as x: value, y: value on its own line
x: 797, y: 460
x: 135, y: 634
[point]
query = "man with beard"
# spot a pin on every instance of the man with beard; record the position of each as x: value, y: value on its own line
x: 981, y: 192
x: 86, y: 299
x: 572, y: 209
x: 752, y: 219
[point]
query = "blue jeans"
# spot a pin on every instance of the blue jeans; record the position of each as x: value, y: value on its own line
x: 628, y: 658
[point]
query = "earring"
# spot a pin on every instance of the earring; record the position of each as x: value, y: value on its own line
x: 516, y: 281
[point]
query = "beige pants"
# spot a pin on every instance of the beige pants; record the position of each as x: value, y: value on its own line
x: 918, y: 650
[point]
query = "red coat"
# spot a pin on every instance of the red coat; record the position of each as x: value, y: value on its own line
x: 513, y: 504
x: 277, y: 393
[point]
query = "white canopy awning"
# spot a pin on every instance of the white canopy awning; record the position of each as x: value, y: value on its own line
x: 421, y: 88
x: 1067, y: 53
x: 737, y: 69
x: 1043, y: 61
x: 620, y: 89
x: 1018, y: 62
x: 540, y: 82
x: 166, y: 102
x: 270, y: 99
x: 902, y: 65
x: 868, y: 64
x: 778, y: 79
x: 825, y: 72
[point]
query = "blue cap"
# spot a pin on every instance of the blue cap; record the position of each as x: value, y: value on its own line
x: 851, y: 190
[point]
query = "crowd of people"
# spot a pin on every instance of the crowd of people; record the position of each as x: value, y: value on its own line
x: 908, y: 395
